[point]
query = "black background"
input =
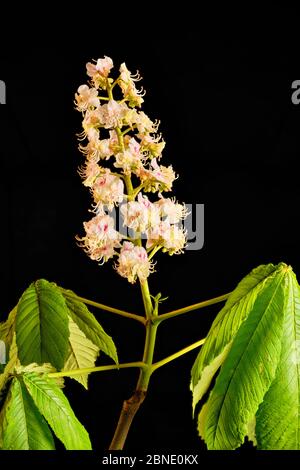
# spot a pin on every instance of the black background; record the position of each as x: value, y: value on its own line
x: 232, y: 134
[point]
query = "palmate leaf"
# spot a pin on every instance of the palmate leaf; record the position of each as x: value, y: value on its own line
x: 87, y: 323
x: 248, y: 370
x: 42, y: 325
x: 82, y: 353
x: 23, y: 427
x: 226, y: 325
x: 278, y: 417
x: 54, y: 406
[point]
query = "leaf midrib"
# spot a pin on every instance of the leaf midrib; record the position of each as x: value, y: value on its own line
x: 40, y: 318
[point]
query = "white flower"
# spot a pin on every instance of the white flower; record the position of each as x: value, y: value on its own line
x: 112, y: 114
x: 99, y: 71
x: 140, y: 215
x: 175, y: 241
x: 89, y: 172
x: 102, y: 67
x: 134, y: 217
x: 97, y: 149
x: 133, y: 263
x: 144, y: 124
x: 131, y: 117
x: 101, y: 238
x: 157, y: 178
x: 172, y: 211
x: 153, y: 145
x: 86, y: 97
x: 101, y: 226
x: 91, y: 122
x: 171, y: 237
x: 136, y: 147
x: 108, y: 189
x: 92, y: 134
x: 105, y: 252
x: 130, y: 160
x: 128, y: 87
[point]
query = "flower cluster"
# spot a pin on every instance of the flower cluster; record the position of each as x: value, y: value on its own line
x: 122, y: 150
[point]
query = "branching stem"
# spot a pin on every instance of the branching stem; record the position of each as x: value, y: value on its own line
x: 116, y: 311
x: 190, y: 308
x: 89, y: 370
x: 143, y: 365
x: 174, y: 356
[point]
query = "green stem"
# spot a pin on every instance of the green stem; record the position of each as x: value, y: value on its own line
x: 109, y: 89
x: 89, y: 370
x: 143, y: 365
x: 145, y: 373
x: 128, y: 184
x: 131, y: 406
x: 116, y: 311
x: 126, y: 131
x: 190, y: 308
x: 146, y: 298
x: 154, y: 251
x: 114, y: 84
x: 174, y: 356
x: 120, y: 138
x: 136, y: 191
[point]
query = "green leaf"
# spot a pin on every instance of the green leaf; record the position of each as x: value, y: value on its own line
x: 82, y: 353
x: 54, y: 406
x: 225, y: 326
x: 7, y: 328
x: 251, y: 433
x: 248, y: 370
x: 202, y: 420
x: 207, y: 375
x: 89, y: 325
x: 8, y: 370
x: 278, y: 417
x: 2, y: 411
x: 23, y: 427
x: 42, y: 325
